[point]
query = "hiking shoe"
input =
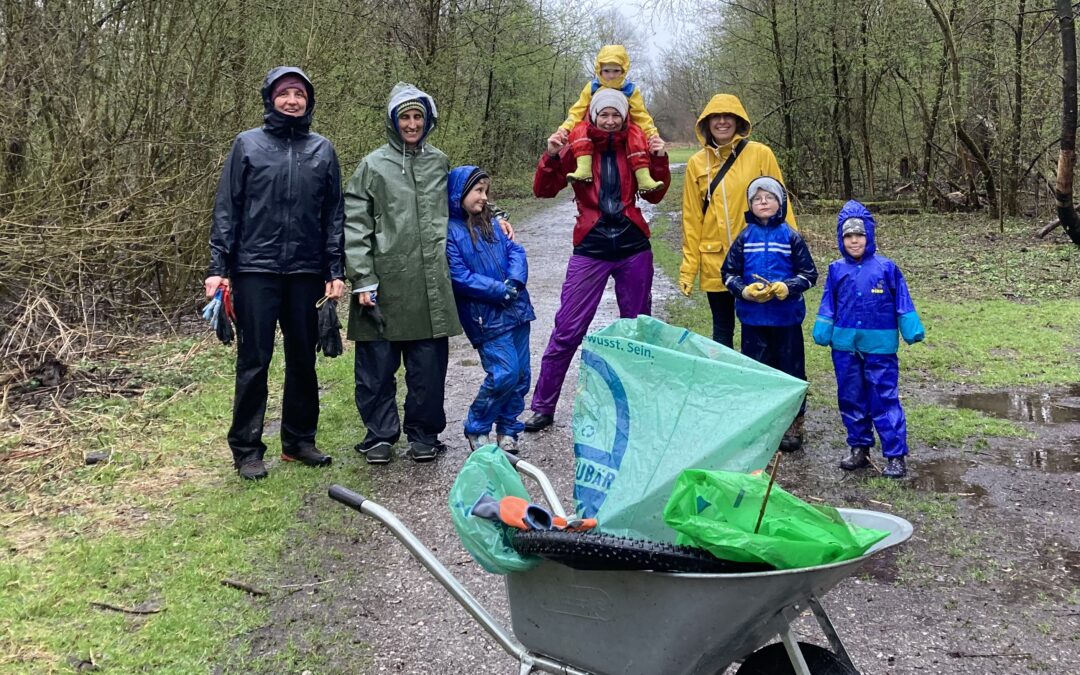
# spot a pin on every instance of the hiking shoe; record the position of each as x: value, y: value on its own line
x: 477, y: 440
x: 308, y: 456
x: 508, y: 444
x: 539, y: 421
x: 896, y: 468
x: 419, y: 452
x: 252, y: 469
x: 380, y: 453
x: 857, y: 458
x: 793, y: 437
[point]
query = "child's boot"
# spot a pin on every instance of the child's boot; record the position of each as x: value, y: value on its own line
x: 584, y: 169
x: 793, y: 437
x: 857, y: 458
x: 645, y: 182
x: 896, y: 468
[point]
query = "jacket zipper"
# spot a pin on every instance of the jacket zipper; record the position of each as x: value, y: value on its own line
x: 288, y: 211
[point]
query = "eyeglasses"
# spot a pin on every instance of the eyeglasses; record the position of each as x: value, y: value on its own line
x: 761, y: 199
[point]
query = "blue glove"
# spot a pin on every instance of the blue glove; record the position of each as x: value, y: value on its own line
x: 212, y: 309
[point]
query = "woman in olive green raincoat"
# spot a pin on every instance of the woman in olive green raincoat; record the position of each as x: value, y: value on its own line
x: 402, y: 305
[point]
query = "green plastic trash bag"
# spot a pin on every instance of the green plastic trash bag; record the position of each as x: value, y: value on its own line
x: 717, y: 511
x: 654, y: 400
x: 487, y: 472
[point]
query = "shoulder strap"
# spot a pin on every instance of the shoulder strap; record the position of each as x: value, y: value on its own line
x: 735, y: 152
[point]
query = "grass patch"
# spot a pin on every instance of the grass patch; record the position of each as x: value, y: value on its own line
x: 681, y: 155
x: 941, y: 426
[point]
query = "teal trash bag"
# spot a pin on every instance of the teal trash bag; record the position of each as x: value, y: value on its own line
x: 654, y: 400
x: 717, y: 511
x: 488, y: 472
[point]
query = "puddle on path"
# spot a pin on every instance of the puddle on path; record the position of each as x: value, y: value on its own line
x: 1038, y: 407
x: 1061, y: 457
x: 945, y: 476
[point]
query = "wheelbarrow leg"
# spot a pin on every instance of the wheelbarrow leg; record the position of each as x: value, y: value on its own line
x: 793, y: 651
x: 830, y: 632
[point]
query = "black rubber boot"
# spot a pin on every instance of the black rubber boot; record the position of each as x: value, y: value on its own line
x: 308, y: 456
x: 252, y: 469
x: 539, y: 421
x: 857, y: 458
x: 896, y: 468
x: 793, y: 437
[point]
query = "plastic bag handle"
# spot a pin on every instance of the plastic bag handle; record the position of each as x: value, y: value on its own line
x: 347, y: 497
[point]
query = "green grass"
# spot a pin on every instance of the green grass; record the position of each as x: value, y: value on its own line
x: 164, y: 522
x: 941, y: 426
x: 680, y: 155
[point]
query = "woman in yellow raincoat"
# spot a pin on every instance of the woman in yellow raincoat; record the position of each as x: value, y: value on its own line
x: 713, y: 219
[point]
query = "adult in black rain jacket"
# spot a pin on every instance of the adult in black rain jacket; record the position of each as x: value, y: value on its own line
x: 276, y: 238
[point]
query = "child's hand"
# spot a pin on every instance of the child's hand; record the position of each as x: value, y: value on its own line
x: 556, y: 141
x: 779, y: 290
x: 757, y: 292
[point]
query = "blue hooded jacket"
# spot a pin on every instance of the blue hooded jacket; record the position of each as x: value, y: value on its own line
x: 865, y: 301
x: 479, y: 271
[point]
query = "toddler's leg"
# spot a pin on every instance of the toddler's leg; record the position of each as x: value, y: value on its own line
x: 637, y: 153
x: 582, y: 148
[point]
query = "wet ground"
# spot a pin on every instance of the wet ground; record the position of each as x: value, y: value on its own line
x: 988, y: 584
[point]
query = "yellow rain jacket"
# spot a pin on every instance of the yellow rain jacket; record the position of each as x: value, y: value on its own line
x: 638, y: 114
x: 707, y: 238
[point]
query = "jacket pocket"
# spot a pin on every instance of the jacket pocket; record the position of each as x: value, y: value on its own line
x: 712, y: 254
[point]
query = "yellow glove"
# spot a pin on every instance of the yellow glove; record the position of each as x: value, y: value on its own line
x: 779, y: 289
x: 686, y: 287
x: 757, y: 292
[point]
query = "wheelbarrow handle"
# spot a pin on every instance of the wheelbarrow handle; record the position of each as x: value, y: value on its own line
x: 347, y: 497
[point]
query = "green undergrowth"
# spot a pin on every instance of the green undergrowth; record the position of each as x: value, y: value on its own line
x: 161, y: 524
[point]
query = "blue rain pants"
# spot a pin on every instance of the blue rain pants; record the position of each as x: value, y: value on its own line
x: 501, y: 398
x: 867, y: 392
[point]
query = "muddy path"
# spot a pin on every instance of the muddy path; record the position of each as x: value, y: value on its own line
x: 988, y: 584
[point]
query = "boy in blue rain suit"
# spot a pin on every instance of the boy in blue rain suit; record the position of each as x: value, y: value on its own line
x: 865, y: 302
x: 488, y: 271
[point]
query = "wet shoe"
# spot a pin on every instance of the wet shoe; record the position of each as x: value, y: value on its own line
x: 477, y: 440
x: 380, y: 453
x: 307, y: 456
x: 857, y: 458
x: 539, y: 421
x: 252, y: 469
x: 896, y: 468
x: 420, y: 452
x: 508, y: 444
x: 793, y: 437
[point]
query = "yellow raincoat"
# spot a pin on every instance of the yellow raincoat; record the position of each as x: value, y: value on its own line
x: 638, y: 114
x: 707, y: 238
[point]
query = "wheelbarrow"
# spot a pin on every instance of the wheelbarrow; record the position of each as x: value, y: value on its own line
x: 577, y: 622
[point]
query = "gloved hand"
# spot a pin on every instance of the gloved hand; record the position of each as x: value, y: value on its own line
x: 779, y: 290
x: 686, y: 288
x: 757, y: 292
x: 217, y: 312
x: 512, y: 292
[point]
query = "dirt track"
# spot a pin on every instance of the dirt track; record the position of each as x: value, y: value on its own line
x: 1002, y: 600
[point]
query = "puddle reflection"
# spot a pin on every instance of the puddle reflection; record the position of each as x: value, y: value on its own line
x: 1038, y: 407
x: 945, y: 476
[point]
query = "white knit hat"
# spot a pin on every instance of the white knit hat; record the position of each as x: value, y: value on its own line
x: 608, y: 98
x: 768, y: 184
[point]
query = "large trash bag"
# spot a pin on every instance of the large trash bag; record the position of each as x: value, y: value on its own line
x: 654, y: 400
x: 717, y: 511
x: 488, y: 472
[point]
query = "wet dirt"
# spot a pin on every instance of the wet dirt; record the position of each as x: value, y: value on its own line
x: 988, y: 583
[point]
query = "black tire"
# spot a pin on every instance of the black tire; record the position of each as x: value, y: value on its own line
x: 773, y: 660
x: 594, y: 551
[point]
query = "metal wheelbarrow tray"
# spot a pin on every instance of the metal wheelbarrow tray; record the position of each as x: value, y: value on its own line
x: 650, y: 623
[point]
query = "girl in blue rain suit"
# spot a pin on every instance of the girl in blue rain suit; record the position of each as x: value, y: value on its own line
x: 865, y: 302
x: 489, y: 271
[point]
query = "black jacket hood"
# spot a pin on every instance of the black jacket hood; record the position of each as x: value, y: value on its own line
x: 280, y: 123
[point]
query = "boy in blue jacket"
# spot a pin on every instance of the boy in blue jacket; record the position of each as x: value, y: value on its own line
x: 488, y: 271
x: 866, y: 301
x: 768, y: 268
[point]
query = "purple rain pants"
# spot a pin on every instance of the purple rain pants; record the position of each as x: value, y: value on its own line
x: 581, y: 292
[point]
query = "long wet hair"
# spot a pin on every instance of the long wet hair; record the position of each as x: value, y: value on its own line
x: 479, y: 224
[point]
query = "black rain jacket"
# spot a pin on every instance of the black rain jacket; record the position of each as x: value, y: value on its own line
x: 279, y: 206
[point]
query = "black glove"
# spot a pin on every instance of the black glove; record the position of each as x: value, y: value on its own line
x: 329, y: 330
x: 512, y: 292
x: 224, y: 328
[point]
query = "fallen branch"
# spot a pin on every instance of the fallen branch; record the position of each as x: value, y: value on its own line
x: 240, y: 585
x: 1007, y: 655
x: 127, y: 610
x: 1050, y: 227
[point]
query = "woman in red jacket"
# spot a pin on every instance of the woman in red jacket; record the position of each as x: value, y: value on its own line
x: 611, y: 240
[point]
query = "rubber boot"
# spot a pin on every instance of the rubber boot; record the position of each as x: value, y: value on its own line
x: 793, y: 437
x: 584, y: 169
x: 896, y: 468
x: 857, y: 458
x: 645, y: 182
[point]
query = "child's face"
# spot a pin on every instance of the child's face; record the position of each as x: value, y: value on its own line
x: 610, y: 71
x: 855, y: 245
x: 411, y: 125
x: 764, y: 205
x: 477, y: 198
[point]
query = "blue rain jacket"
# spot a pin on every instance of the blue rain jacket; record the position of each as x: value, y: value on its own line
x: 776, y: 252
x: 478, y: 272
x: 865, y: 302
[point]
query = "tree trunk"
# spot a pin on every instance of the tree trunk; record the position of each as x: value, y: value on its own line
x: 1012, y: 186
x: 1063, y: 191
x: 842, y: 120
x: 786, y: 97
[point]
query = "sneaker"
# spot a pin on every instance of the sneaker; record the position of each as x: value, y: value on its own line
x: 477, y: 440
x: 418, y: 452
x: 308, y: 456
x: 508, y: 444
x: 793, y: 437
x: 539, y: 421
x: 252, y: 469
x: 896, y: 468
x: 857, y: 458
x: 380, y: 453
